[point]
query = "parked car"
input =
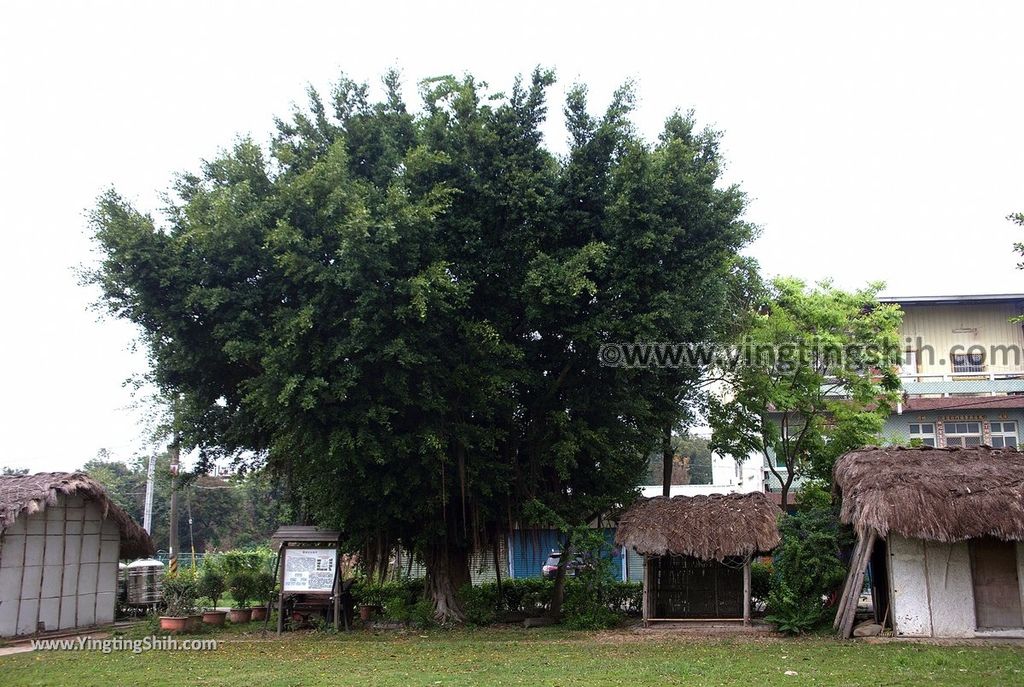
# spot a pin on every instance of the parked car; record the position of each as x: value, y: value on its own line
x: 550, y: 568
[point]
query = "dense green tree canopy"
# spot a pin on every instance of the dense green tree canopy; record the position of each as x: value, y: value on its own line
x: 237, y: 512
x: 400, y: 311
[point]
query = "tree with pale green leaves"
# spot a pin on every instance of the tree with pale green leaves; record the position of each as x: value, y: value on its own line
x: 815, y: 377
x: 1018, y: 246
x: 399, y: 313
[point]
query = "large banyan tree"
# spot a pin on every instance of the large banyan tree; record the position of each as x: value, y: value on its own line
x: 399, y: 312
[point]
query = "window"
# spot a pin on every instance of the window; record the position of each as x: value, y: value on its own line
x: 963, y: 434
x: 909, y: 362
x: 923, y: 433
x: 1004, y: 434
x: 968, y: 362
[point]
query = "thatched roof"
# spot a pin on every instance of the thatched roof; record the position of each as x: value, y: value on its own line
x: 938, y: 494
x: 709, y: 527
x: 27, y: 494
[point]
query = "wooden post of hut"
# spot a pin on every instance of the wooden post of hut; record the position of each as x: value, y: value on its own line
x: 648, y: 585
x: 746, y: 590
x: 698, y: 552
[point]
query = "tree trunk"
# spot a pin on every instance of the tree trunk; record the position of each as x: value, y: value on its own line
x: 667, y: 458
x: 558, y: 594
x: 784, y: 496
x: 447, y: 571
x: 497, y: 576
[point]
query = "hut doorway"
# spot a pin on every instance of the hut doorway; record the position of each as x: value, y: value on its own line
x: 686, y: 587
x: 996, y: 586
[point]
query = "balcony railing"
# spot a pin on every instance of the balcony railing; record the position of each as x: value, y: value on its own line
x: 963, y: 383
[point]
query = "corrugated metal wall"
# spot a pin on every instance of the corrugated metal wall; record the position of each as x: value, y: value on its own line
x: 481, y: 566
x: 943, y: 326
x: 634, y: 566
x: 530, y: 548
x: 58, y: 569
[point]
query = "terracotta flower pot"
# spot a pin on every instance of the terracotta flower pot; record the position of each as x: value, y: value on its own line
x: 214, y: 617
x: 173, y: 623
x: 366, y: 612
x: 259, y: 613
x: 240, y: 615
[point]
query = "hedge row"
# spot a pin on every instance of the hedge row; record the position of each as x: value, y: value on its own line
x: 519, y: 598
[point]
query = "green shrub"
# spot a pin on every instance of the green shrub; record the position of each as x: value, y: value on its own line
x: 626, y: 598
x: 242, y: 584
x: 179, y: 591
x: 480, y: 603
x: 212, y: 584
x: 519, y: 597
x: 588, y: 596
x: 397, y: 609
x: 422, y: 614
x: 585, y: 609
x: 532, y: 596
x: 807, y: 567
x: 368, y: 593
x: 792, y: 613
x: 322, y: 625
x: 760, y: 581
x: 529, y: 595
x: 418, y: 614
x: 251, y: 560
x: 264, y: 585
x: 413, y: 588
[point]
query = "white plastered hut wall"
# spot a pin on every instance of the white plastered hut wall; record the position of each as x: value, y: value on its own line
x: 58, y: 568
x: 932, y: 591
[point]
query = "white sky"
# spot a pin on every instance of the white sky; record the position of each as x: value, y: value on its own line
x: 878, y: 141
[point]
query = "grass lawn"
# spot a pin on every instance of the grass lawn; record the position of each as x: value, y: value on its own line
x: 547, y: 656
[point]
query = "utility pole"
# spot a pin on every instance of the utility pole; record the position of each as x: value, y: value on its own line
x: 191, y: 535
x: 172, y: 566
x: 147, y: 516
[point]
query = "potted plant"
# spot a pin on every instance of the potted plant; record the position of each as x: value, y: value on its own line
x: 371, y: 596
x: 212, y: 585
x: 179, y: 592
x: 241, y: 586
x: 263, y: 589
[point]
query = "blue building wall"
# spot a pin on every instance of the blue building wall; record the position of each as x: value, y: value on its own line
x: 897, y: 427
x: 896, y: 430
x: 531, y: 548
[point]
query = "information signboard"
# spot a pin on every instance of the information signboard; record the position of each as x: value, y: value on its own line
x: 309, y: 570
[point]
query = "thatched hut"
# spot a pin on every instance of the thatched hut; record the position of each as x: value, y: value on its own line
x: 60, y: 541
x: 697, y: 552
x: 941, y: 530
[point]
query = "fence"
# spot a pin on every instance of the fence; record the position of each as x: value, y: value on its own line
x: 185, y: 559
